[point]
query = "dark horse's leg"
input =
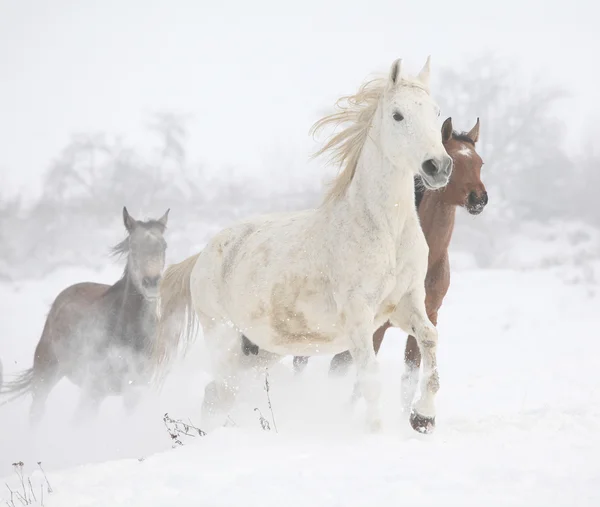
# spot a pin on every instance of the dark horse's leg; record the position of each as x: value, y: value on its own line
x: 46, y: 374
x: 131, y: 399
x: 88, y: 407
x: 341, y: 362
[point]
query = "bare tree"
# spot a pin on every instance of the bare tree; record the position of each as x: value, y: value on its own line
x: 585, y: 178
x: 10, y: 208
x: 170, y: 173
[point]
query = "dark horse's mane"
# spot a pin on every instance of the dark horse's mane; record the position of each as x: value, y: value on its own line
x: 419, y: 187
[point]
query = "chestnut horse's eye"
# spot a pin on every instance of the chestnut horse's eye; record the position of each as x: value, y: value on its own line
x: 397, y: 116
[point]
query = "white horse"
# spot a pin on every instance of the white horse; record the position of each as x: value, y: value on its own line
x: 321, y: 281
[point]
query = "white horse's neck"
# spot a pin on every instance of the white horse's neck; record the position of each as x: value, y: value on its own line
x: 381, y: 189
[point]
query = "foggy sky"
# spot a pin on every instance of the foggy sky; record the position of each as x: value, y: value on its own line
x: 255, y: 75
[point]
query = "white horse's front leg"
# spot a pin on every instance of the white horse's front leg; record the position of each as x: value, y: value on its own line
x: 367, y: 367
x: 411, y: 317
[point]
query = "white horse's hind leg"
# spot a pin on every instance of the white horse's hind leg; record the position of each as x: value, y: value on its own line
x: 367, y: 368
x: 225, y: 347
x: 411, y: 317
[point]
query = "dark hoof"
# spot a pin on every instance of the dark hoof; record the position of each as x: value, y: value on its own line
x: 248, y: 347
x: 421, y: 423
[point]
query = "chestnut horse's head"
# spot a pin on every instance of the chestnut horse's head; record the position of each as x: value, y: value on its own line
x: 465, y: 187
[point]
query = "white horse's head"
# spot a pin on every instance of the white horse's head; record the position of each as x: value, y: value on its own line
x: 409, y: 132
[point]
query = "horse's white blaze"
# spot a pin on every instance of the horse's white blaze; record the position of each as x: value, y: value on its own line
x: 465, y: 151
x: 321, y: 281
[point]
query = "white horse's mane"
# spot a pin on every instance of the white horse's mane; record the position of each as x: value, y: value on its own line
x: 346, y: 145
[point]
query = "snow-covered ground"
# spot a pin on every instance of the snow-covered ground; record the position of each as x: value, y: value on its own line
x: 518, y: 416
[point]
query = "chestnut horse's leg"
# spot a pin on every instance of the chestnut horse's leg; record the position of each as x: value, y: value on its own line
x: 300, y: 363
x: 340, y: 363
x: 378, y: 336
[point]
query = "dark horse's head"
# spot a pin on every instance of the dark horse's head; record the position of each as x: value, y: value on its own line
x: 146, y: 248
x: 465, y: 187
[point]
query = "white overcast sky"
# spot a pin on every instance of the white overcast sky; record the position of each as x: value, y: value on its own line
x: 255, y: 74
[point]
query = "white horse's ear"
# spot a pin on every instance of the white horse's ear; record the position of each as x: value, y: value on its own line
x: 474, y: 132
x: 128, y: 220
x: 164, y: 219
x: 424, y: 74
x: 395, y: 71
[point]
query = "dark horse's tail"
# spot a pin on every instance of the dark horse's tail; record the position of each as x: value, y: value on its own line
x: 18, y: 387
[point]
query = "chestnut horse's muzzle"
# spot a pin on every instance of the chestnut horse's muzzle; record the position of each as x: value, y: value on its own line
x: 476, y: 203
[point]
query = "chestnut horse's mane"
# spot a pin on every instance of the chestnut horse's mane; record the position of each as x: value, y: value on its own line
x: 463, y: 136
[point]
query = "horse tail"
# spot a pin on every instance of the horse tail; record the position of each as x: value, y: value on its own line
x: 176, y: 317
x: 18, y: 387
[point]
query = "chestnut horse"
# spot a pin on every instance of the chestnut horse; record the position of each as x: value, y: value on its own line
x: 437, y: 210
x: 101, y: 336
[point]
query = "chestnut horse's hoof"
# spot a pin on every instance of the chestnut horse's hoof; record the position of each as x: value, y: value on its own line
x: 422, y: 424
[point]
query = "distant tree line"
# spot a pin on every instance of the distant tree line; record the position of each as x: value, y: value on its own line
x: 529, y: 174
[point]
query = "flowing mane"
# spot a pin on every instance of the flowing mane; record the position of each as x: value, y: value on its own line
x: 346, y: 145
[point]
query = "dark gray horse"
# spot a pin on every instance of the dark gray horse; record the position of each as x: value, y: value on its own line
x: 101, y: 336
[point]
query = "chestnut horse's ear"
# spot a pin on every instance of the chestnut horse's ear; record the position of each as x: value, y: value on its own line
x: 424, y: 74
x: 163, y: 220
x: 447, y: 130
x: 128, y: 220
x: 474, y: 132
x: 395, y: 71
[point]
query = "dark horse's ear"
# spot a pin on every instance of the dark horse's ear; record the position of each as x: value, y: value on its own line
x: 128, y: 220
x: 447, y: 130
x: 164, y: 219
x: 474, y: 132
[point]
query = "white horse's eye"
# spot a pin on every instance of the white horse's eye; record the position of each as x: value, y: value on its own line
x: 398, y: 116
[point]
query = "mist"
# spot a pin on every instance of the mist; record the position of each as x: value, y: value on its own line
x: 205, y: 109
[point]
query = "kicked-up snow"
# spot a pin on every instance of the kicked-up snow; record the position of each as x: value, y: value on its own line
x: 518, y: 416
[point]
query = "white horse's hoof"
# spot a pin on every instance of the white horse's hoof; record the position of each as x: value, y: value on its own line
x: 374, y: 426
x: 421, y: 423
